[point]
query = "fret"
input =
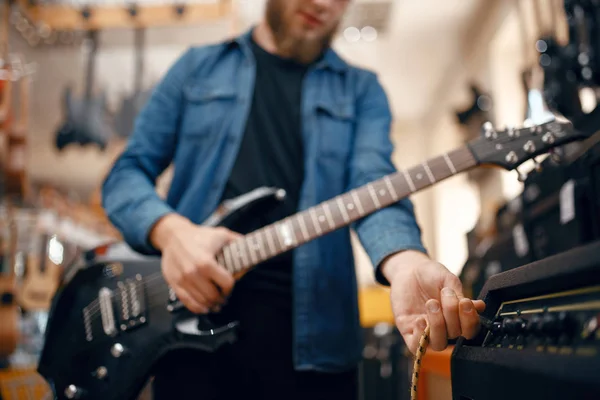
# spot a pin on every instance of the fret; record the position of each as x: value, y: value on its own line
x: 270, y: 241
x: 357, y: 203
x: 260, y: 245
x: 220, y: 260
x: 411, y: 185
x: 328, y: 215
x: 287, y: 232
x: 251, y: 247
x: 278, y: 237
x: 295, y: 230
x: 373, y: 196
x: 242, y: 251
x: 316, y: 224
x: 428, y: 172
x: 342, y: 209
x: 228, y: 262
x: 303, y: 230
x: 235, y: 256
x: 390, y: 187
x: 449, y: 163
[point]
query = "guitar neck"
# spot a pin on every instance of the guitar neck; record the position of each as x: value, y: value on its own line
x: 341, y: 211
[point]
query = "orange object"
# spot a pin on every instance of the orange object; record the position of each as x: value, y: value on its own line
x: 435, y: 380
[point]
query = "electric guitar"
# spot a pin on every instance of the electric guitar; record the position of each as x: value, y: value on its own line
x: 110, y: 324
x: 86, y: 120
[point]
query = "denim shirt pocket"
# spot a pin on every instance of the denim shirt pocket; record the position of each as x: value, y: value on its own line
x: 208, y: 110
x: 336, y: 120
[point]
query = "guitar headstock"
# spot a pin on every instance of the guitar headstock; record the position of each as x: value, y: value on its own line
x: 510, y: 147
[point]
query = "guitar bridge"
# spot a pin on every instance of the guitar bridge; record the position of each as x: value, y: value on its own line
x: 131, y: 303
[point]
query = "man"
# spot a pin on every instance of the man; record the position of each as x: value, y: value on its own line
x: 276, y: 107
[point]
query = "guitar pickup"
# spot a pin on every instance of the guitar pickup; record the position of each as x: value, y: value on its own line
x: 173, y: 304
x: 131, y: 303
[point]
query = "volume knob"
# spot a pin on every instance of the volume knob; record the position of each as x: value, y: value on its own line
x: 117, y: 350
x: 72, y: 392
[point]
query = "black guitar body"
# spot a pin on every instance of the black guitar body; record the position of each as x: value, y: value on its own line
x: 86, y: 122
x: 122, y: 319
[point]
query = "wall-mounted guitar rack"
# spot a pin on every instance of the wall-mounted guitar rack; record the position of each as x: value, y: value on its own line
x: 64, y: 16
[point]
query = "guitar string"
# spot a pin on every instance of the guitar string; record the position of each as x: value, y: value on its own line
x: 93, y: 307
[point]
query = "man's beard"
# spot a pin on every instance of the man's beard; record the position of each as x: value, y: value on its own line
x: 301, y: 50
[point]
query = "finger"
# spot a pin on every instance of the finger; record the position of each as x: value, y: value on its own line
x: 210, y: 292
x: 450, y: 312
x: 454, y: 283
x: 438, y: 336
x: 469, y: 319
x: 220, y: 237
x: 192, y: 281
x: 190, y: 303
x: 479, y: 305
x: 222, y: 278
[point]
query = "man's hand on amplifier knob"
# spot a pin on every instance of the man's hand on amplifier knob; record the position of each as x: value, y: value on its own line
x: 188, y: 262
x: 424, y: 290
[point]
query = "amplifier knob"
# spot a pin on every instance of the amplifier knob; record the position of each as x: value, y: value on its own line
x: 73, y: 392
x: 549, y: 324
x: 513, y: 325
x: 535, y: 324
x: 590, y: 326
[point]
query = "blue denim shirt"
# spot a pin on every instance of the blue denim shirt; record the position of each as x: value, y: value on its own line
x: 195, y: 119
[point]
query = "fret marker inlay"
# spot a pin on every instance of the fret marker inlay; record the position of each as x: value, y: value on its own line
x: 316, y: 224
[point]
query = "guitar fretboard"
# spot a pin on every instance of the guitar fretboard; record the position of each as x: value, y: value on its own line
x: 340, y: 211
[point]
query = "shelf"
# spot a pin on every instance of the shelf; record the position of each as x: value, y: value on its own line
x: 61, y: 17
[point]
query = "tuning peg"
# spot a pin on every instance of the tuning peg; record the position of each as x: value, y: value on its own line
x: 510, y: 131
x: 488, y: 131
x: 521, y: 176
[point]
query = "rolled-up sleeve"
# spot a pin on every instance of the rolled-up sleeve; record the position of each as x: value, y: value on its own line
x: 128, y: 192
x: 390, y: 229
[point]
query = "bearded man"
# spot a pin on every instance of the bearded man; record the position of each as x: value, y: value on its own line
x: 276, y: 107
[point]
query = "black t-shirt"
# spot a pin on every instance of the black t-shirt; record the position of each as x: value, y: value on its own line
x: 271, y: 154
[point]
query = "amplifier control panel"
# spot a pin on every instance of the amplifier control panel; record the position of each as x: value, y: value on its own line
x: 562, y: 323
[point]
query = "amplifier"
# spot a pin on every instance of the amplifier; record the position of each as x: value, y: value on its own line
x: 544, y: 342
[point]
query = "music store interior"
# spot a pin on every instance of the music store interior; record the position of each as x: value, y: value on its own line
x: 492, y: 138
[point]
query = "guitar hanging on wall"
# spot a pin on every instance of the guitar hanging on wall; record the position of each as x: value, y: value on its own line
x: 110, y: 324
x: 86, y: 119
x: 132, y: 105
